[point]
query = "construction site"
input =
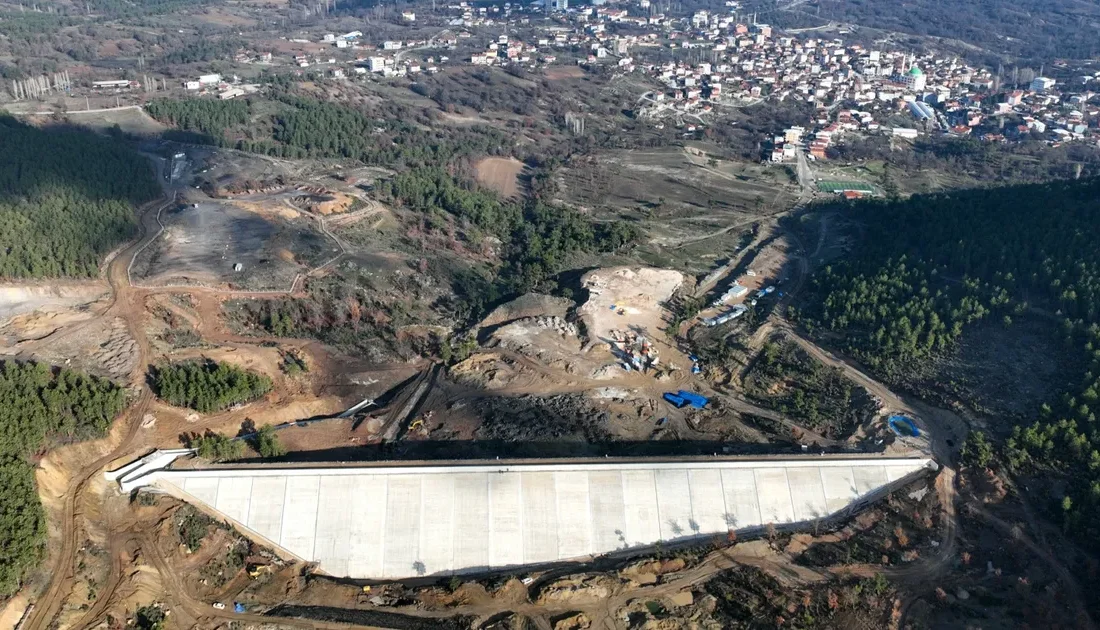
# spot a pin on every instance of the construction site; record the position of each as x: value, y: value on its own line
x: 574, y: 432
x: 609, y: 454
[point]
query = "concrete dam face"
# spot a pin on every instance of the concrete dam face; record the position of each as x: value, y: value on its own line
x: 393, y: 522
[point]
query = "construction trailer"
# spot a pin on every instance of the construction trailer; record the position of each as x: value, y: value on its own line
x: 730, y: 315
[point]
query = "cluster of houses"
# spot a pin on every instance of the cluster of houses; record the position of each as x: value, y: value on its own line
x: 732, y: 59
x: 725, y: 58
x: 855, y: 88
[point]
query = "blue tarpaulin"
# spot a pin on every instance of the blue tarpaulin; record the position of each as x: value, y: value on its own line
x: 693, y: 399
x: 675, y: 400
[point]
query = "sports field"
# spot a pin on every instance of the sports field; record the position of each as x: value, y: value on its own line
x: 835, y: 186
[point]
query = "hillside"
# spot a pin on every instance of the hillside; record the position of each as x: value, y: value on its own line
x: 60, y: 215
x: 1032, y: 29
x: 927, y: 269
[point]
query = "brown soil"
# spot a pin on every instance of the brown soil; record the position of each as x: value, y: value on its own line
x: 332, y: 203
x: 279, y: 210
x: 500, y: 174
x: 556, y: 73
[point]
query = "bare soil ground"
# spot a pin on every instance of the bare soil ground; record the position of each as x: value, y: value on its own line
x: 684, y: 192
x: 556, y: 73
x: 204, y: 245
x: 500, y: 174
x: 219, y: 17
x: 36, y: 311
x: 131, y: 120
x: 101, y: 346
x: 626, y: 298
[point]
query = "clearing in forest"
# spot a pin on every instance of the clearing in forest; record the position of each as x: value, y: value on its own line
x: 500, y: 174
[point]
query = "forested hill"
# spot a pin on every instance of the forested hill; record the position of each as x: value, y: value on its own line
x: 67, y: 197
x: 39, y: 404
x: 926, y: 267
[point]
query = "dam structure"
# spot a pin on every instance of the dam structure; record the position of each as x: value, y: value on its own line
x: 394, y: 520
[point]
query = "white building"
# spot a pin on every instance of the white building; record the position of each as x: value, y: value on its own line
x: 1042, y: 84
x: 915, y: 79
x: 116, y: 84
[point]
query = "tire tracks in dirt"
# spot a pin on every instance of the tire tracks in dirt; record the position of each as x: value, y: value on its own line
x: 62, y: 574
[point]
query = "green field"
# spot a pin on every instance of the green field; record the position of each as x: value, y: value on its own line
x: 833, y: 186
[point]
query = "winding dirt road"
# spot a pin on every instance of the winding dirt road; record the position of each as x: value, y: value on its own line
x: 64, y: 560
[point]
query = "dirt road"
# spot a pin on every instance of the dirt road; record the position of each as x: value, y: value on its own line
x: 126, y: 303
x: 64, y: 560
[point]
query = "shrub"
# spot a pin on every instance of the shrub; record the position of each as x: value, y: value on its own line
x: 151, y: 617
x: 216, y: 447
x: 267, y: 443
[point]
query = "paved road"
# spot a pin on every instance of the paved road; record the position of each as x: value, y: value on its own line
x: 805, y: 177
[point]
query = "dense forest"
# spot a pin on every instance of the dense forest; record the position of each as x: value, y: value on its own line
x: 928, y: 266
x: 59, y: 215
x: 207, y: 386
x: 38, y: 404
x: 209, y: 119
